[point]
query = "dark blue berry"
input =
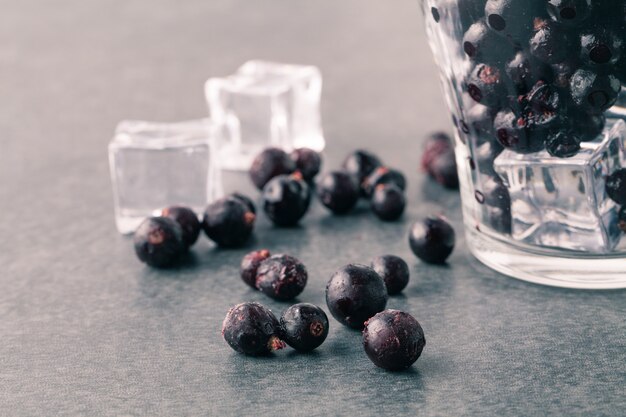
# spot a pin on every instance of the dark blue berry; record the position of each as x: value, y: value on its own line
x: 286, y: 199
x: 593, y: 91
x: 338, y: 191
x: 524, y: 70
x: 562, y: 144
x: 246, y: 200
x: 308, y: 162
x: 354, y: 294
x: 229, y: 222
x: 188, y: 221
x: 443, y: 170
x: 495, y: 193
x: 513, y: 133
x: 481, y: 44
x: 159, y: 242
x: 485, y: 86
x: 281, y: 277
x: 485, y: 155
x: 388, y: 202
x: 393, y: 270
x: 542, y: 106
x: 586, y: 126
x: 434, y: 145
x: 569, y: 12
x: 479, y: 118
x: 382, y: 175
x: 249, y: 265
x: 499, y: 220
x: 361, y: 163
x: 269, y: 164
x: 432, y: 240
x: 304, y: 326
x: 514, y: 18
x: 550, y: 43
x: 252, y: 329
x: 600, y: 46
x: 393, y: 340
x: 616, y: 186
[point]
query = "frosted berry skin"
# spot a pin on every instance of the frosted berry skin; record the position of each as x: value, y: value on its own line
x: 304, y: 326
x: 308, y: 162
x: 382, y: 175
x: 250, y: 264
x: 388, y: 202
x: 187, y: 220
x: 228, y: 222
x: 286, y: 199
x: 432, y: 240
x: 158, y: 242
x: 393, y: 340
x: 252, y: 329
x: 393, y: 270
x: 355, y: 293
x: 616, y: 186
x: 361, y: 163
x: 281, y: 277
x: 269, y: 164
x: 338, y: 191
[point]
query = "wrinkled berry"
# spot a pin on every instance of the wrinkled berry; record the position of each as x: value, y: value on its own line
x: 252, y: 329
x: 393, y: 340
x: 308, y: 162
x: 432, y: 240
x: 249, y: 265
x: 338, y: 191
x: 393, y: 270
x: 281, y: 277
x: 269, y: 164
x: 563, y: 144
x: 382, y: 175
x: 616, y: 186
x: 304, y: 326
x: 286, y: 199
x: 187, y: 220
x: 159, y: 242
x: 361, y: 163
x: 513, y: 133
x: 388, y: 202
x: 550, y: 43
x: 228, y: 222
x: 525, y: 70
x: 593, y: 91
x: 354, y: 294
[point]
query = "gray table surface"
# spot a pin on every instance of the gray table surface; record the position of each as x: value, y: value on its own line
x: 86, y: 329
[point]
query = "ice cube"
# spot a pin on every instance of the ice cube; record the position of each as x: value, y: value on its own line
x: 562, y: 202
x: 266, y: 104
x: 155, y: 165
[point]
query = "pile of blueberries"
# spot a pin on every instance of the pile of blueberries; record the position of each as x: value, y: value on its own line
x: 543, y: 72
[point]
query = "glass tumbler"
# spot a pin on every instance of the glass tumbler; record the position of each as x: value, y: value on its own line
x: 533, y: 87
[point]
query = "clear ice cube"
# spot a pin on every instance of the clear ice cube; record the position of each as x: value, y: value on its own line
x: 266, y: 104
x: 155, y: 165
x: 562, y: 202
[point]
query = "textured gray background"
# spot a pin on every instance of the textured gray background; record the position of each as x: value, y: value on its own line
x: 86, y: 329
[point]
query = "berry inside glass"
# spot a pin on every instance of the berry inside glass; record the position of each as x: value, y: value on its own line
x: 535, y: 89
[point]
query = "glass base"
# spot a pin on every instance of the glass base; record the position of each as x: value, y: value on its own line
x: 592, y: 273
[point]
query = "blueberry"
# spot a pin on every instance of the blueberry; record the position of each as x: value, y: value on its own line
x: 388, y: 202
x: 543, y: 106
x: 228, y: 222
x: 361, y: 163
x: 621, y: 219
x: 304, y: 326
x: 432, y: 240
x: 569, y: 12
x: 495, y: 193
x: 393, y: 340
x: 563, y: 72
x: 586, y: 126
x: 338, y: 191
x: 616, y: 186
x: 246, y: 200
x: 514, y: 18
x: 479, y: 118
x: 563, y: 144
x: 393, y: 270
x: 249, y: 265
x: 499, y: 220
x: 308, y: 162
x: 594, y: 92
x: 443, y: 170
x: 513, y: 133
x: 281, y: 277
x: 269, y: 164
x: 524, y: 70
x: 252, y: 329
x: 434, y: 145
x: 382, y: 175
x: 550, y: 43
x: 354, y: 294
x: 485, y: 86
x: 485, y: 155
x: 188, y: 221
x: 286, y: 199
x: 159, y: 242
x: 481, y: 44
x: 600, y: 46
